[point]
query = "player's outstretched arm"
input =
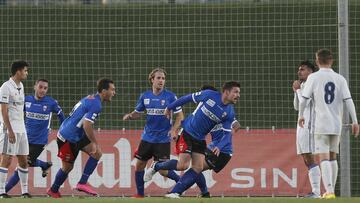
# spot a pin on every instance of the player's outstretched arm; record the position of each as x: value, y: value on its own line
x: 180, y: 102
x: 132, y: 116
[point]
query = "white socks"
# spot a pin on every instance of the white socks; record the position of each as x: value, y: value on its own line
x: 24, y: 176
x: 327, y: 176
x: 335, y: 169
x: 315, y: 178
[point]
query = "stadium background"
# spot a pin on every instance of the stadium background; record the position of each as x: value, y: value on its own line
x: 258, y: 43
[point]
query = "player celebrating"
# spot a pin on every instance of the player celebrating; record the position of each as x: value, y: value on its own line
x: 219, y: 150
x: 217, y: 155
x: 76, y: 133
x: 38, y: 111
x: 13, y: 139
x: 305, y: 136
x: 215, y: 108
x: 329, y: 91
x: 155, y: 140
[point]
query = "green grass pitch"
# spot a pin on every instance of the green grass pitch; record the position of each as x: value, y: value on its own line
x: 184, y: 199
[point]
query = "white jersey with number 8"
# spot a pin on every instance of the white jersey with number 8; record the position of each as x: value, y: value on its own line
x: 329, y: 90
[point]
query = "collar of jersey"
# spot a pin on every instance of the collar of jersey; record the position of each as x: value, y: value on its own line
x: 162, y: 91
x: 13, y: 83
x: 326, y: 69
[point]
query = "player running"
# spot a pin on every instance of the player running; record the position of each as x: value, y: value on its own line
x: 76, y: 134
x: 155, y: 139
x: 215, y: 108
x: 217, y: 154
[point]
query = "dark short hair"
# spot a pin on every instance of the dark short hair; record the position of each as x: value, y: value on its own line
x: 309, y: 65
x: 103, y: 84
x: 41, y: 80
x: 208, y: 87
x: 18, y: 65
x: 229, y: 85
x: 324, y: 56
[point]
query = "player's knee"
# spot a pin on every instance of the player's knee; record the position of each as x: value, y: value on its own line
x: 140, y: 165
x: 6, y: 161
x: 97, y: 155
x: 333, y: 156
x: 182, y: 166
x: 67, y: 167
x: 23, y: 164
x: 163, y: 173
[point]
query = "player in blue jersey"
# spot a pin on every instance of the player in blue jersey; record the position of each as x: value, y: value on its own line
x: 76, y: 134
x: 156, y: 137
x: 38, y: 111
x: 219, y: 150
x: 215, y: 108
x: 217, y: 155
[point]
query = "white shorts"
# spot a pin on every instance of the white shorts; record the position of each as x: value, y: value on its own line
x: 304, y: 141
x: 326, y: 143
x: 20, y: 147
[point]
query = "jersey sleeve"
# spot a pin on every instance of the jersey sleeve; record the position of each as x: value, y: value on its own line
x: 4, y: 94
x: 227, y: 124
x: 57, y: 109
x: 308, y: 88
x: 200, y: 96
x: 179, y: 102
x: 296, y: 101
x: 235, y: 125
x: 178, y: 108
x: 345, y: 90
x: 140, y: 106
x: 94, y: 111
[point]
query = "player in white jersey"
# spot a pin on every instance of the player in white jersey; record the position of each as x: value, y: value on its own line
x: 13, y: 138
x: 305, y: 135
x: 330, y: 92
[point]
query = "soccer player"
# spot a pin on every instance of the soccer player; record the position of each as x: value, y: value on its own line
x: 219, y: 150
x: 38, y: 111
x: 76, y: 133
x: 215, y: 108
x: 13, y: 139
x: 217, y: 155
x: 330, y: 92
x: 155, y: 139
x: 305, y: 136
